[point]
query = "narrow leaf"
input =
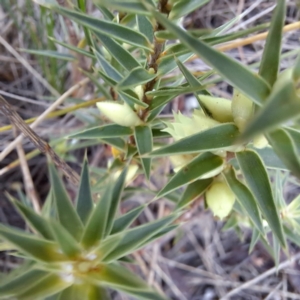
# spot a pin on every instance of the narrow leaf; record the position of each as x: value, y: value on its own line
x: 203, y: 165
x: 22, y: 282
x: 285, y: 148
x: 108, y: 28
x: 106, y: 131
x: 235, y: 73
x: 258, y: 181
x: 36, y: 221
x: 37, y: 248
x: 134, y: 238
x: 84, y: 201
x: 117, y: 191
x: 50, y: 53
x: 245, y: 199
x: 65, y: 210
x: 118, y: 52
x: 136, y: 77
x: 183, y: 8
x: 219, y: 137
x: 66, y: 241
x: 125, y: 220
x: 193, y: 191
x: 144, y: 142
x: 269, y: 66
x: 48, y: 286
x: 96, y: 225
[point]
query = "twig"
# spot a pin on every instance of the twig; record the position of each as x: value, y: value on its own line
x: 44, y: 115
x: 43, y: 146
x: 262, y: 276
x: 28, y: 182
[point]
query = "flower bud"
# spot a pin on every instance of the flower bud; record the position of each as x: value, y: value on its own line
x: 242, y: 109
x: 121, y: 114
x: 220, y: 199
x: 220, y: 108
x: 260, y: 141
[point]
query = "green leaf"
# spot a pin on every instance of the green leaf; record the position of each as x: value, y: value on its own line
x: 48, y: 286
x: 67, y: 243
x: 108, y: 28
x: 144, y: 142
x: 145, y: 27
x: 105, y: 131
x: 83, y: 291
x: 254, y: 239
x: 269, y: 66
x: 118, y: 277
x: 200, y: 167
x: 245, y: 199
x: 65, y: 210
x: 136, y: 77
x: 132, y: 6
x: 115, y: 199
x: 97, y: 223
x: 193, y: 191
x: 34, y: 220
x: 131, y: 98
x: 219, y: 137
x: 125, y: 220
x: 119, y: 53
x: 282, y: 105
x: 118, y: 143
x: 270, y: 158
x: 286, y: 149
x: 134, y: 238
x: 50, y: 53
x: 84, y: 201
x: 183, y: 8
x: 235, y: 73
x: 292, y: 235
x: 22, y: 282
x: 73, y: 48
x: 258, y: 181
x: 35, y: 247
x: 194, y: 82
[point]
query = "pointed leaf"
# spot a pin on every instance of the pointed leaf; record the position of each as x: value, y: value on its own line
x: 50, y: 53
x: 105, y: 131
x: 282, y: 105
x: 203, y: 166
x: 21, y: 282
x: 183, y: 8
x: 145, y: 27
x: 218, y: 137
x: 48, y: 286
x: 245, y: 199
x: 254, y: 239
x: 125, y: 220
x: 118, y: 52
x: 134, y: 238
x: 84, y: 201
x: 234, y: 72
x: 65, y: 240
x: 144, y: 142
x: 285, y: 148
x: 115, y: 199
x: 258, y: 181
x: 108, y: 28
x: 65, y: 210
x: 36, y: 222
x: 117, y: 277
x: 269, y: 66
x: 193, y: 191
x: 136, y: 77
x: 118, y: 143
x: 37, y: 248
x: 96, y: 225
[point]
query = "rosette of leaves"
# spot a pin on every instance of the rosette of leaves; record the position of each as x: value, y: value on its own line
x: 77, y: 251
x: 132, y: 57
